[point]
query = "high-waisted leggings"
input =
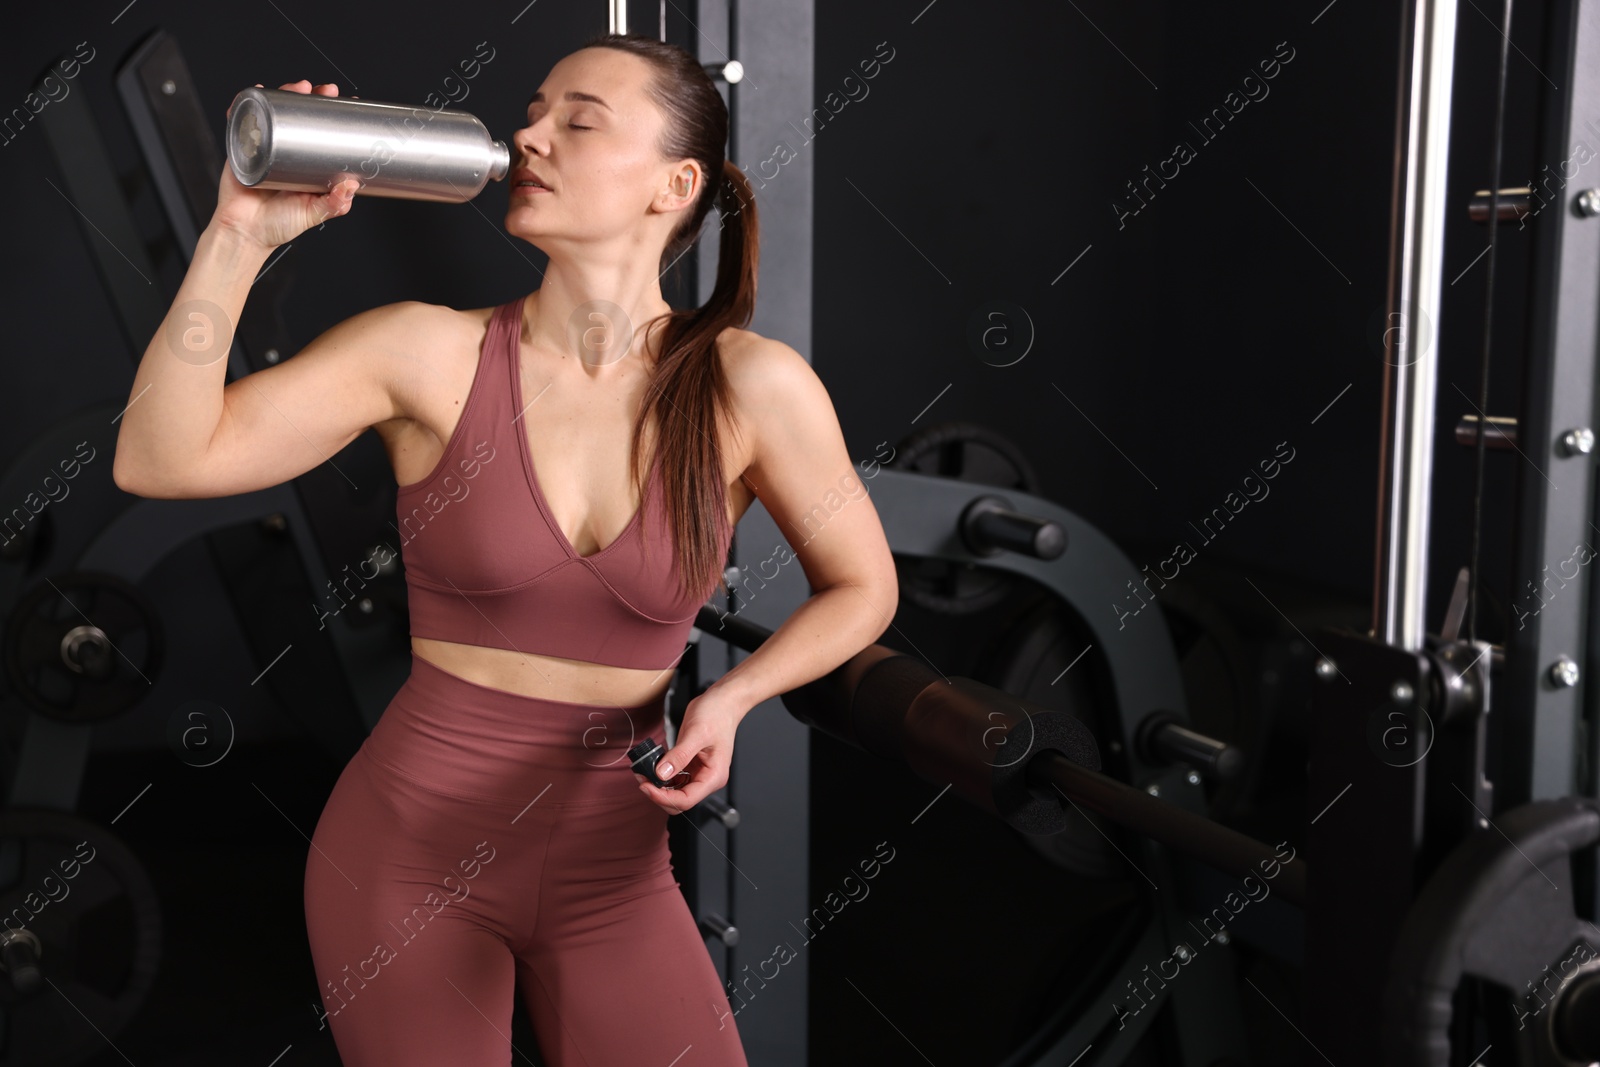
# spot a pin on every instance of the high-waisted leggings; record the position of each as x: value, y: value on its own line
x: 482, y: 844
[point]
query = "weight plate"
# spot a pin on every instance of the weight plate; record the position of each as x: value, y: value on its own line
x: 59, y: 495
x: 1502, y: 907
x: 87, y: 898
x: 1040, y: 658
x: 83, y: 646
x: 972, y: 452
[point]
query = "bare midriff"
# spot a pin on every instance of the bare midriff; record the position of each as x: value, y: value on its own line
x: 568, y: 680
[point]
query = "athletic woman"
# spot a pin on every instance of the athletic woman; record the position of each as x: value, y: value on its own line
x: 571, y: 466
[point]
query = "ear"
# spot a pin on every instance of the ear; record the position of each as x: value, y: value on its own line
x: 683, y: 186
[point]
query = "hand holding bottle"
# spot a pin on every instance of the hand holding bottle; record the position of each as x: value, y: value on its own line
x: 271, y: 217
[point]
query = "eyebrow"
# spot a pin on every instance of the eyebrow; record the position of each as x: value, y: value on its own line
x: 538, y: 97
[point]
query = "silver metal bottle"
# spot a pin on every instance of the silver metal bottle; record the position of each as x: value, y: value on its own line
x: 279, y: 139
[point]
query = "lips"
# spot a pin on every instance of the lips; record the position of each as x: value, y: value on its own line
x: 522, y: 175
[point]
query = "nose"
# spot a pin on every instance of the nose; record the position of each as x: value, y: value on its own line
x: 531, y: 139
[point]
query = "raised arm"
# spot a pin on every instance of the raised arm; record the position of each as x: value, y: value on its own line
x: 185, y: 432
x: 278, y: 423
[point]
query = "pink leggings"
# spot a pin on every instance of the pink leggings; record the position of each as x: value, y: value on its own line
x: 482, y: 842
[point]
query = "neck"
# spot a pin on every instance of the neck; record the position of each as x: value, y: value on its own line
x: 595, y: 313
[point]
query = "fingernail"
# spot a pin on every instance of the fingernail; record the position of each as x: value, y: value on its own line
x: 664, y: 771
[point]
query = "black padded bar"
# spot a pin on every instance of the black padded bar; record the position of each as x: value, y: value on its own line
x: 887, y: 703
x: 1051, y: 773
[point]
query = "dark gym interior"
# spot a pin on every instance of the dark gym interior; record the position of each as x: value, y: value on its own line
x: 984, y: 252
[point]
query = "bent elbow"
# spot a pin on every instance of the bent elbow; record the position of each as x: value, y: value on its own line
x: 891, y: 593
x: 132, y: 481
x: 123, y: 477
x: 885, y: 600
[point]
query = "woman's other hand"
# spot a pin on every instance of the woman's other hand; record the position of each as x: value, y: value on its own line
x: 698, y: 764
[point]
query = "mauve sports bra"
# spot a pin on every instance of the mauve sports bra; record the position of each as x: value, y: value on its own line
x: 486, y: 563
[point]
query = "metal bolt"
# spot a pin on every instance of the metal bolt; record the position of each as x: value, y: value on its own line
x: 1193, y: 777
x: 169, y: 87
x: 1326, y: 669
x: 1401, y: 692
x: 731, y: 575
x: 1153, y: 789
x: 1564, y: 672
x: 1182, y: 952
x: 1589, y: 203
x: 716, y: 926
x: 270, y: 355
x: 1579, y: 442
x: 1222, y: 937
x: 365, y: 604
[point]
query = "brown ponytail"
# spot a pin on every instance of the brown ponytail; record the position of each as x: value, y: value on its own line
x: 688, y: 392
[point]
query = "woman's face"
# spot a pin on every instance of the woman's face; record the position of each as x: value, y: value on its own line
x: 591, y: 137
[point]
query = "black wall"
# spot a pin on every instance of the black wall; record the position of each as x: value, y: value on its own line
x: 1194, y: 336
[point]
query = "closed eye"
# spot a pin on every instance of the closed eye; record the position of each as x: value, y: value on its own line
x: 570, y: 125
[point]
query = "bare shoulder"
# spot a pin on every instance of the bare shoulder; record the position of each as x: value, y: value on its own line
x: 778, y: 398
x: 425, y: 326
x: 766, y: 374
x: 798, y: 465
x: 430, y: 350
x: 431, y: 359
x: 407, y: 317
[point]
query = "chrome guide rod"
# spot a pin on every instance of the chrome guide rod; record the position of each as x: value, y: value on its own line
x: 1416, y: 245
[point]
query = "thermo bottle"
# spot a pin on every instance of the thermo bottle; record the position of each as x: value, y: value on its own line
x: 279, y: 139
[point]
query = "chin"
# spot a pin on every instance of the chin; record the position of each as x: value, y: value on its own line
x: 521, y: 227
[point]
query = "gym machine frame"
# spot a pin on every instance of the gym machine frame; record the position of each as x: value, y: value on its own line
x: 1415, y: 887
x: 1430, y: 692
x: 1030, y: 766
x: 316, y: 511
x: 115, y: 540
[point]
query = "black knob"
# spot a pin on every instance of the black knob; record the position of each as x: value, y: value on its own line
x: 644, y: 756
x: 87, y: 650
x: 1577, y: 1019
x: 714, y: 807
x: 989, y: 526
x: 19, y: 954
x: 716, y: 926
x: 1162, y: 739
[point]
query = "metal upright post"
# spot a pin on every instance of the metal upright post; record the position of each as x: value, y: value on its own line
x: 1547, y: 733
x: 1367, y: 793
x: 774, y: 41
x: 1416, y: 251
